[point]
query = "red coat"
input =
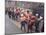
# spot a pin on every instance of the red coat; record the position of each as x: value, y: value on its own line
x: 31, y: 22
x: 33, y: 19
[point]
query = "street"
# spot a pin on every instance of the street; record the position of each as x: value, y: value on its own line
x: 11, y: 26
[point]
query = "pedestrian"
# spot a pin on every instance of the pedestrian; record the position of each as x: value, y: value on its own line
x: 23, y: 22
x: 17, y: 13
x: 28, y: 15
x: 9, y: 13
x: 31, y: 23
x: 13, y: 15
x: 41, y: 24
x: 37, y: 23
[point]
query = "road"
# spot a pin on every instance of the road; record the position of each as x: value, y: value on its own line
x: 11, y: 26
